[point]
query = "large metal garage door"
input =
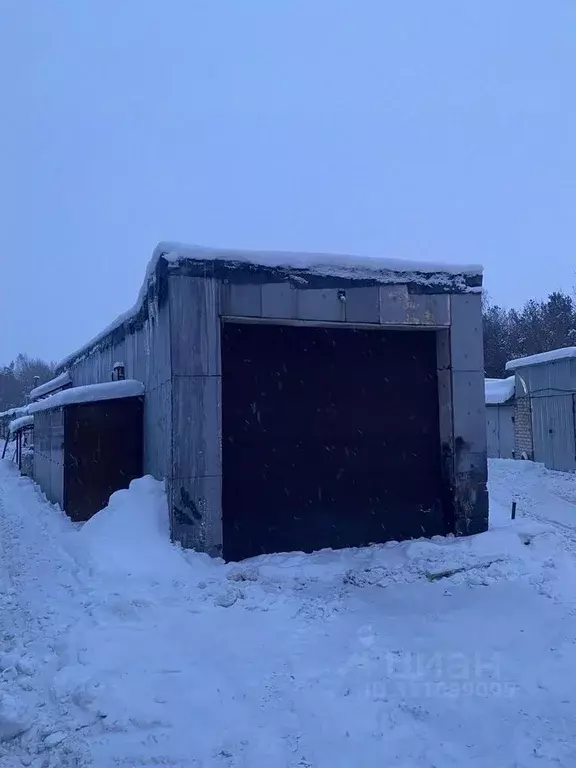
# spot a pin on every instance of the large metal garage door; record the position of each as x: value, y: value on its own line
x: 330, y: 438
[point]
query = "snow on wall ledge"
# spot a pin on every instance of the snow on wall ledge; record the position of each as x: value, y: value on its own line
x: 499, y: 391
x: 540, y: 359
x: 91, y: 393
x: 23, y: 421
x: 50, y: 386
x: 383, y: 270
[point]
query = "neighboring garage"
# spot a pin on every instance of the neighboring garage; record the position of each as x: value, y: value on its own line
x: 301, y: 401
x: 545, y: 420
x: 330, y: 437
x: 500, y: 416
x: 88, y: 444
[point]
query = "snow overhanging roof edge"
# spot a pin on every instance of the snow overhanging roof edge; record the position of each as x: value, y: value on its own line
x: 384, y: 270
x: 50, y: 386
x: 89, y: 393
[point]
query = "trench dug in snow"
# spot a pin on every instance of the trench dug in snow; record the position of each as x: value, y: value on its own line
x: 120, y: 648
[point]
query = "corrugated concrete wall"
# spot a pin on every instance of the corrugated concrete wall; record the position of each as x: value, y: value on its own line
x: 145, y: 352
x: 196, y: 479
x: 550, y: 389
x: 500, y: 431
x: 49, y: 454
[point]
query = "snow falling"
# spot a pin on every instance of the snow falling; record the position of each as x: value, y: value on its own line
x: 118, y: 648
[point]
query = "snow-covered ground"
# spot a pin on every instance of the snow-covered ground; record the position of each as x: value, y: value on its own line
x: 119, y: 649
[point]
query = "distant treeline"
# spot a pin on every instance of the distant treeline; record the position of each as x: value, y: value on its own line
x: 18, y: 379
x: 538, y: 327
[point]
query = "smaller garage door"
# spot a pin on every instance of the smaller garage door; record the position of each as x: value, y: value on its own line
x: 330, y: 438
x: 103, y: 452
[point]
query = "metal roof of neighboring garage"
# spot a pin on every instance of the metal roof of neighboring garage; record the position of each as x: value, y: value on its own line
x: 544, y: 357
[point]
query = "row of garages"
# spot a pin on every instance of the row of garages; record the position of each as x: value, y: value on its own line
x: 531, y: 414
x: 80, y: 444
x: 323, y: 455
x: 288, y: 401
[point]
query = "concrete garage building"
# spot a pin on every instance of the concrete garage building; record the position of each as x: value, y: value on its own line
x: 295, y: 401
x: 545, y: 419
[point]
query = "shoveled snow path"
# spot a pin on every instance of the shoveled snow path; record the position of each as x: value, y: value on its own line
x: 446, y: 652
x: 41, y: 597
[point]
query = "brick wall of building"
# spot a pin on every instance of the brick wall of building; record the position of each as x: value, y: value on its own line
x: 523, y: 445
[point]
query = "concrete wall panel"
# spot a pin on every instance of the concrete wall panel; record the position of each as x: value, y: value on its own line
x: 278, y: 301
x: 363, y: 305
x: 506, y: 430
x: 399, y: 307
x: 197, y: 513
x: 241, y: 300
x: 466, y: 332
x: 197, y: 426
x: 195, y: 326
x: 321, y: 305
x: 158, y: 430
x: 469, y: 411
x: 195, y: 481
x: 492, y: 433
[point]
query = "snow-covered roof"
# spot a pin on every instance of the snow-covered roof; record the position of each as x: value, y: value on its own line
x: 499, y: 391
x: 543, y: 357
x: 334, y: 265
x: 383, y: 270
x: 50, y: 386
x: 91, y: 393
x: 23, y: 421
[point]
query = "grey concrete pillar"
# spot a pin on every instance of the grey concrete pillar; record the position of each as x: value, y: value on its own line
x: 196, y: 477
x: 443, y: 354
x: 468, y: 415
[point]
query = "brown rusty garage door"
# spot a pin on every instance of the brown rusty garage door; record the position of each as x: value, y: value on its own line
x: 330, y: 438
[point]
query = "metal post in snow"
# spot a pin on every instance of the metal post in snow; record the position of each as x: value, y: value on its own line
x: 513, y: 510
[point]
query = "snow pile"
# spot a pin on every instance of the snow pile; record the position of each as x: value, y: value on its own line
x: 14, y: 717
x: 499, y: 391
x: 90, y: 393
x: 543, y: 357
x: 131, y: 536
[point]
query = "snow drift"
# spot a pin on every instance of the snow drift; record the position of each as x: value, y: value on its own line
x: 119, y: 648
x: 131, y: 536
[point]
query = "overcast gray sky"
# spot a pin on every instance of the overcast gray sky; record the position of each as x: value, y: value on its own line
x: 428, y: 130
